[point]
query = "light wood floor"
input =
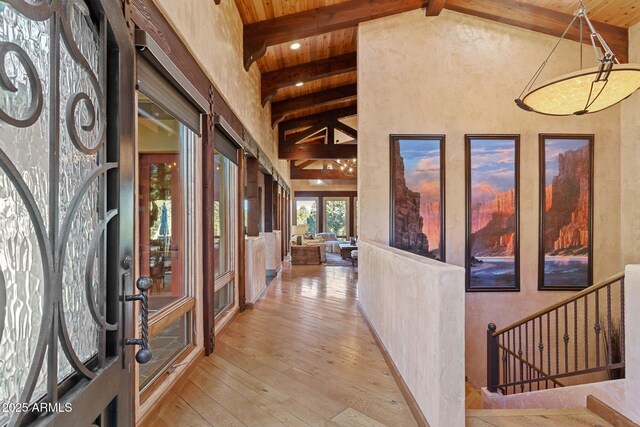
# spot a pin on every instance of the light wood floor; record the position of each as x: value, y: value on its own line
x: 303, y: 356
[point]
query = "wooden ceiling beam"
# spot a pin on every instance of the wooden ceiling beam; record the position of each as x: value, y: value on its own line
x: 272, y: 81
x: 313, y: 119
x: 434, y: 7
x: 542, y: 20
x: 297, y: 137
x: 318, y: 152
x: 260, y: 35
x: 330, y: 96
x: 346, y: 129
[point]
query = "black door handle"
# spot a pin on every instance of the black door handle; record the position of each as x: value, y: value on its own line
x: 144, y: 354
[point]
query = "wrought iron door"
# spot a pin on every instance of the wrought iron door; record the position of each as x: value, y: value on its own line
x: 66, y: 212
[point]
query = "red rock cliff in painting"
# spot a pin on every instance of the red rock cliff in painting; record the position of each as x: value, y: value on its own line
x: 408, y: 233
x: 567, y: 218
x: 493, y: 226
x: 431, y: 216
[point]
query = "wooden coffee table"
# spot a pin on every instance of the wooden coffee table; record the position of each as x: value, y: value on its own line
x: 345, y: 250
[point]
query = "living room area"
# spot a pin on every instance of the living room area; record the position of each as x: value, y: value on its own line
x: 325, y: 223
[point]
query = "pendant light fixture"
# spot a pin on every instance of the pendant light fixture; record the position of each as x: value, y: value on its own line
x: 587, y: 90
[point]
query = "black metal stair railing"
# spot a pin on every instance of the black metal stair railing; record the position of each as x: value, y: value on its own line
x: 580, y: 336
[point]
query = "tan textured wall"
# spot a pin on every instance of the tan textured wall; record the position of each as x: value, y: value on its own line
x: 629, y: 161
x: 428, y: 356
x: 313, y: 185
x: 213, y: 34
x: 456, y: 74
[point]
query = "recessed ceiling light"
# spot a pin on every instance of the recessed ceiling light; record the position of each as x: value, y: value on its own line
x: 299, y: 84
x: 295, y: 46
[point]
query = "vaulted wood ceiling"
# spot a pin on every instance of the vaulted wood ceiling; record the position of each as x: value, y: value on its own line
x: 326, y: 62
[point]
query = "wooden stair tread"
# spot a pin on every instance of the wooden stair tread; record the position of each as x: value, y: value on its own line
x: 577, y: 417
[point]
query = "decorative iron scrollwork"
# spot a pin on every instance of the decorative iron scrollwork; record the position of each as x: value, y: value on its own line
x: 75, y: 140
x: 35, y: 87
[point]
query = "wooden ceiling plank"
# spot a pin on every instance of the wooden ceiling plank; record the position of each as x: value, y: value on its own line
x: 318, y: 152
x: 312, y: 119
x: 259, y: 35
x: 542, y: 20
x: 315, y: 70
x: 330, y: 96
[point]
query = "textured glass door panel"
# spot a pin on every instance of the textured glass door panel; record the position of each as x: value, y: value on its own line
x: 21, y: 264
x: 52, y: 196
x: 76, y: 167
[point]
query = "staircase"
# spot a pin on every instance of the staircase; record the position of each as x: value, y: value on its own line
x: 596, y: 414
x: 576, y: 341
x: 580, y: 340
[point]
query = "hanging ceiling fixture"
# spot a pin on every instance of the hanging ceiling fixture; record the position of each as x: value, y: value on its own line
x: 587, y: 90
x: 348, y: 167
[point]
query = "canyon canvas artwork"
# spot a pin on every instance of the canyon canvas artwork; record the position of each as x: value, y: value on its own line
x: 566, y: 170
x: 417, y: 195
x: 492, y: 213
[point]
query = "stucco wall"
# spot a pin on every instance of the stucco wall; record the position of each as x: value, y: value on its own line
x: 422, y: 343
x: 456, y: 74
x: 314, y: 185
x: 629, y: 161
x: 213, y: 34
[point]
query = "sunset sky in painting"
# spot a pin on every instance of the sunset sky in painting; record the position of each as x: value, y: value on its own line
x: 422, y: 167
x: 492, y: 166
x: 553, y: 148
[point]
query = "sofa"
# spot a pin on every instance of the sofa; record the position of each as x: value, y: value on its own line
x: 331, y: 242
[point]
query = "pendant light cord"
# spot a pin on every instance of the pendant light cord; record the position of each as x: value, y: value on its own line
x: 541, y: 67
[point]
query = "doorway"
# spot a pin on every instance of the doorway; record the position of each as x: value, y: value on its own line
x: 66, y: 228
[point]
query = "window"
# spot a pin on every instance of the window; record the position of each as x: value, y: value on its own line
x: 225, y: 183
x: 162, y: 152
x: 336, y: 216
x: 165, y: 160
x: 356, y: 214
x: 307, y: 213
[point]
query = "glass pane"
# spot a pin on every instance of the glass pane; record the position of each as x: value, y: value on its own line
x: 165, y: 347
x: 162, y: 145
x: 336, y: 217
x: 223, y: 226
x: 222, y: 299
x: 307, y: 213
x: 75, y: 166
x: 20, y: 262
x: 357, y: 203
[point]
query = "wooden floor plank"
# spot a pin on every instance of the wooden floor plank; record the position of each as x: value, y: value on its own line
x: 303, y: 356
x: 352, y: 418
